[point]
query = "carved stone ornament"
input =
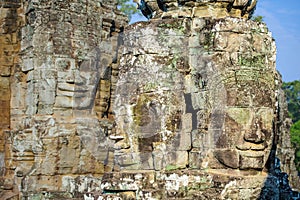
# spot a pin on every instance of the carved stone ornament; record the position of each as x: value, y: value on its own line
x: 197, y: 8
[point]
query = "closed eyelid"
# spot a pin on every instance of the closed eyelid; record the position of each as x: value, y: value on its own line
x: 240, y: 115
x: 246, y: 115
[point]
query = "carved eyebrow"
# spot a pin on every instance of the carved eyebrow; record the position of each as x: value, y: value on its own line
x: 247, y: 115
x: 240, y: 115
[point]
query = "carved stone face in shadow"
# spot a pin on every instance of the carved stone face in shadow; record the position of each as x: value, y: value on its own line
x: 247, y: 138
x: 242, y: 124
x: 148, y: 109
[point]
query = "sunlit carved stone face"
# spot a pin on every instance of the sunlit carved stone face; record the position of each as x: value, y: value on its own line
x: 77, y: 82
x: 86, y: 83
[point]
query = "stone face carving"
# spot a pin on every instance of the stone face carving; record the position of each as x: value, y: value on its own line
x: 58, y: 113
x: 196, y: 94
x: 220, y: 107
x: 186, y: 108
x: 196, y: 100
x: 149, y: 109
x: 79, y: 82
x: 206, y: 8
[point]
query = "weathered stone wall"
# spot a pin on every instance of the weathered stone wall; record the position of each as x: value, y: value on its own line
x: 193, y: 79
x: 186, y: 108
x: 11, y: 20
x: 284, y: 150
x: 55, y: 93
x: 197, y: 101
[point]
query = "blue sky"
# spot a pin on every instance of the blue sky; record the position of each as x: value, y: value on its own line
x: 283, y: 19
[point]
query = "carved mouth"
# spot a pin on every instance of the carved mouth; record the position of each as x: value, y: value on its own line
x: 252, y: 159
x: 251, y: 146
x: 253, y: 154
x: 66, y: 87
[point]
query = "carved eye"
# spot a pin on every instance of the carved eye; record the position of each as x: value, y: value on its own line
x: 89, y: 65
x: 266, y: 118
x: 154, y: 108
x: 63, y: 65
x: 240, y: 115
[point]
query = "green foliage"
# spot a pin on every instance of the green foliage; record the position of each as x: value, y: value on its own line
x: 295, y: 139
x: 295, y: 133
x: 258, y: 18
x: 292, y: 91
x: 127, y: 8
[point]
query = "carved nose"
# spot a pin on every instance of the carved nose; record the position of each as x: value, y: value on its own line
x: 255, y: 135
x: 121, y: 140
x: 70, y: 77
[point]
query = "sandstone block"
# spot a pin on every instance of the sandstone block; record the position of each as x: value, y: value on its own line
x: 228, y: 157
x: 135, y: 161
x: 170, y: 160
x: 251, y: 161
x: 195, y: 159
x: 63, y: 102
x: 27, y: 65
x: 199, y: 100
x: 5, y: 70
x: 201, y: 139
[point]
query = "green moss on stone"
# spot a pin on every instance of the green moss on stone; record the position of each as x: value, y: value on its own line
x: 140, y: 110
x: 150, y: 87
x: 171, y: 167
